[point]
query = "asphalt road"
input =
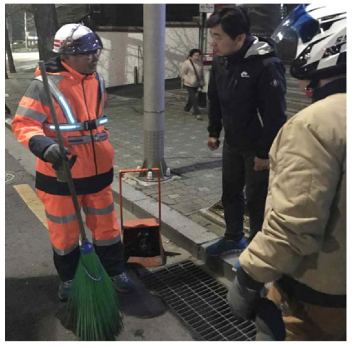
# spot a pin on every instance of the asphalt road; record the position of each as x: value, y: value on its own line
x: 25, y: 61
x: 32, y: 309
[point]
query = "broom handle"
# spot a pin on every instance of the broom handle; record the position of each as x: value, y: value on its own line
x: 61, y: 147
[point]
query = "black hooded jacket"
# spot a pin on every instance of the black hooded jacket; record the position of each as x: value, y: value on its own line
x: 247, y: 97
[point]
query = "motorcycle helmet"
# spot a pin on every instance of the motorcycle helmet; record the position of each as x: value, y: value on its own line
x: 319, y: 36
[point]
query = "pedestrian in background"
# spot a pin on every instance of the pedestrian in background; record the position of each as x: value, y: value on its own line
x: 247, y: 97
x: 79, y: 97
x: 302, y: 246
x: 193, y: 80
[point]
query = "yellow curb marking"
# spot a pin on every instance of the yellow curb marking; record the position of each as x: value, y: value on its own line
x: 32, y: 201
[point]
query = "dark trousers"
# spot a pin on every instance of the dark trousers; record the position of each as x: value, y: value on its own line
x: 192, y: 100
x: 238, y: 172
x: 111, y: 257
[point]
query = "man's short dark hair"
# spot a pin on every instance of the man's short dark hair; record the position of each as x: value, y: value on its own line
x: 234, y: 20
x: 193, y: 51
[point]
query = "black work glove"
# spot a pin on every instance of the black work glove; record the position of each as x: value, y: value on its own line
x: 53, y: 153
x: 269, y: 322
x: 244, y: 295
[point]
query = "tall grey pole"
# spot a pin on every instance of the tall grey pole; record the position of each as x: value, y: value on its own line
x: 154, y: 22
x: 25, y: 27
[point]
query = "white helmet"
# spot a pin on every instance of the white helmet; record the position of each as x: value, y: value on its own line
x: 320, y: 35
x: 76, y: 39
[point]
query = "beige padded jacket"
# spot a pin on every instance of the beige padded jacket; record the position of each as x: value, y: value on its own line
x: 304, y: 231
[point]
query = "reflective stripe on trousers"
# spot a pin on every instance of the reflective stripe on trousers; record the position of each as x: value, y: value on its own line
x: 63, y: 227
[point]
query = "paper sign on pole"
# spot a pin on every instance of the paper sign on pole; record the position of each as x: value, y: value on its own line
x: 208, y: 8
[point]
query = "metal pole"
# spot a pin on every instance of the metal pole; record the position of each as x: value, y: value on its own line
x: 202, y: 33
x: 154, y: 21
x: 25, y: 26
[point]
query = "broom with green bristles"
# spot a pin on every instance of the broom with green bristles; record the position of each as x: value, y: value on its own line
x: 93, y: 306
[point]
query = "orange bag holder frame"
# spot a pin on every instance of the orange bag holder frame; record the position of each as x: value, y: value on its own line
x: 148, y: 224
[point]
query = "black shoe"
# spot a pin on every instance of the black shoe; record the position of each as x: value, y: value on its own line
x: 64, y: 290
x: 122, y: 283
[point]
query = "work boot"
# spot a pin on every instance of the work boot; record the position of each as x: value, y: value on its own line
x: 224, y: 246
x: 122, y: 283
x: 64, y: 290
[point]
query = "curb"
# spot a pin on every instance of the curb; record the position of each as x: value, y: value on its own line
x: 8, y: 122
x: 212, y: 217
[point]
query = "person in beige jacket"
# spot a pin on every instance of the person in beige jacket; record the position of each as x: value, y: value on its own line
x: 192, y: 75
x: 302, y: 245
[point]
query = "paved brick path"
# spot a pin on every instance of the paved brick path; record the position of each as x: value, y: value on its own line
x: 186, y: 152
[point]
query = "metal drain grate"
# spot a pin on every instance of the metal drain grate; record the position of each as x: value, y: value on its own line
x: 200, y: 301
x: 9, y: 176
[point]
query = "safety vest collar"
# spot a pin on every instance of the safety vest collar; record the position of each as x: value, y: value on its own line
x: 76, y: 74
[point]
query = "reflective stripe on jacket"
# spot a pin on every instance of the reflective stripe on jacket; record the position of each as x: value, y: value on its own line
x: 79, y: 103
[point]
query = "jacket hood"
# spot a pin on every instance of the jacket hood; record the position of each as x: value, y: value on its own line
x: 56, y: 66
x: 259, y: 47
x: 53, y: 66
x: 254, y: 47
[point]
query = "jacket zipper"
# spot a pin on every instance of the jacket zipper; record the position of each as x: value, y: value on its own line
x: 234, y: 77
x: 91, y: 131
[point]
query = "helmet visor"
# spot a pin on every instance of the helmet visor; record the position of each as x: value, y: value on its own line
x: 298, y: 24
x: 86, y: 44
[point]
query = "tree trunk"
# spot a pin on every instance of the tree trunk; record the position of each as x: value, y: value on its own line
x: 6, y: 75
x: 8, y: 51
x: 46, y: 25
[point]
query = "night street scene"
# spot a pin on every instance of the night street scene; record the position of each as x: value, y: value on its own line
x: 175, y: 172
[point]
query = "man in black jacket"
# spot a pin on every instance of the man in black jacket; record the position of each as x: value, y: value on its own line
x: 247, y: 97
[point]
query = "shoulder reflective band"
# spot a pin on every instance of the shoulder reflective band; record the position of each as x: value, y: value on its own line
x: 68, y: 113
x: 76, y: 127
x: 102, y: 91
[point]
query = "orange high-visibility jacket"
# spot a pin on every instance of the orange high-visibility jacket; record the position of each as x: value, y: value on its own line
x: 79, y: 103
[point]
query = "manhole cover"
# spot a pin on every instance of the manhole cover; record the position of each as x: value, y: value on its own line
x: 200, y: 301
x: 9, y: 176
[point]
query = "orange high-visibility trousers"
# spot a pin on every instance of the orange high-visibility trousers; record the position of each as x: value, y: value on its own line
x: 63, y: 227
x: 64, y: 232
